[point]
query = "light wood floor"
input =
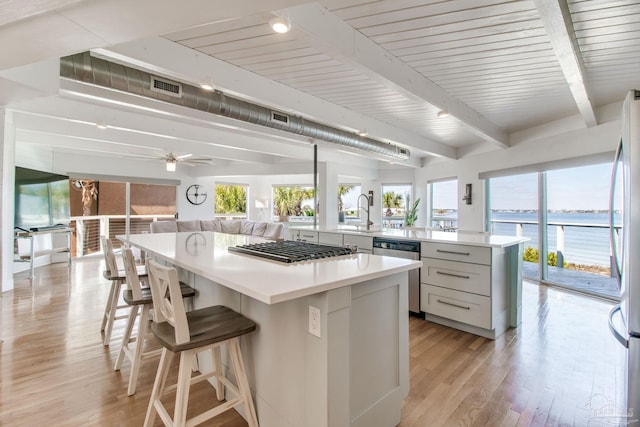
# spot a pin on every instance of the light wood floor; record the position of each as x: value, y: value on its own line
x: 561, y: 367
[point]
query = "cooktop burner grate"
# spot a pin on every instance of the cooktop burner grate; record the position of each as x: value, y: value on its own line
x: 291, y: 251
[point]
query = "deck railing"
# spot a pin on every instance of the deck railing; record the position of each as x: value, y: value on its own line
x: 570, y: 241
x: 89, y: 229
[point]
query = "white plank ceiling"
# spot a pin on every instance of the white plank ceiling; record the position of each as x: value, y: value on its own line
x: 390, y: 66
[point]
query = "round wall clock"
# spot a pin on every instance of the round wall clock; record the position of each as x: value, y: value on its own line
x: 196, y: 195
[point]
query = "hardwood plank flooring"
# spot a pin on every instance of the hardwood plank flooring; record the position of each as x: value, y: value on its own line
x: 560, y: 368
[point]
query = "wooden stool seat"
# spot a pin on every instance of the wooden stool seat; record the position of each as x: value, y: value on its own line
x: 135, y: 296
x: 188, y: 334
x: 206, y: 326
x: 130, y: 299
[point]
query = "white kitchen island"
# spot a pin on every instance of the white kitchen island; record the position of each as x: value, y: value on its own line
x: 355, y: 373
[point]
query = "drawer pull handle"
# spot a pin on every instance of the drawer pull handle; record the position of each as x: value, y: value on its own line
x: 453, y: 275
x: 454, y: 305
x: 453, y: 252
x: 308, y: 236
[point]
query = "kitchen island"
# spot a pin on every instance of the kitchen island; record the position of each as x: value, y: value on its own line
x: 350, y: 369
x: 470, y: 281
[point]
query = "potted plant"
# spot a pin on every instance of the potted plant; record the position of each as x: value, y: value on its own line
x: 411, y: 214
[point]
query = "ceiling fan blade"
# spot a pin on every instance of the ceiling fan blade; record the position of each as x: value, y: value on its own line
x: 184, y: 156
x: 199, y: 159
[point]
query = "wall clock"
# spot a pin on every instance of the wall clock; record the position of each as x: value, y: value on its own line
x: 196, y: 195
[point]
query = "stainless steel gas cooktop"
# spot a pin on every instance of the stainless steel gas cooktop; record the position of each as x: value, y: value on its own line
x: 291, y: 251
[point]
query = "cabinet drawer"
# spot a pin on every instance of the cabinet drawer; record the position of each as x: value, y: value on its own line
x: 474, y: 254
x: 459, y: 306
x: 330, y: 238
x: 308, y: 236
x: 460, y: 276
x: 361, y: 242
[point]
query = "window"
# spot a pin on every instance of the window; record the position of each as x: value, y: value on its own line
x: 444, y: 204
x: 293, y: 201
x: 564, y: 213
x: 394, y: 201
x: 231, y: 199
x: 348, y: 202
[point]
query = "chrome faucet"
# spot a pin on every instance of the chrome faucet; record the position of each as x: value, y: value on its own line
x: 369, y: 223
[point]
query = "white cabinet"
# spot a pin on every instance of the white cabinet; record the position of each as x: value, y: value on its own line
x: 291, y: 234
x: 465, y: 287
x: 330, y: 238
x: 364, y: 243
x: 308, y: 236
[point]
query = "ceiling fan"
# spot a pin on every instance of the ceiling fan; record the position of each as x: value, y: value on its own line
x: 171, y: 160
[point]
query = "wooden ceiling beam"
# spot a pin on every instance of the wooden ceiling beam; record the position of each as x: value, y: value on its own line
x: 557, y: 22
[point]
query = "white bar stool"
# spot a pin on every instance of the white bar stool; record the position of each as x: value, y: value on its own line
x: 117, y: 278
x: 137, y: 296
x: 189, y: 334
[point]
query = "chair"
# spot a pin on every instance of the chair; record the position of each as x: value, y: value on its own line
x: 189, y: 334
x: 137, y: 296
x: 117, y: 278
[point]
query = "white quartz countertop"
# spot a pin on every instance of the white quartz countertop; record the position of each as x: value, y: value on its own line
x: 206, y: 254
x: 462, y: 238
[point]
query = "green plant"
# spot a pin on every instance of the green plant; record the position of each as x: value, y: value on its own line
x: 231, y: 199
x: 287, y: 201
x: 411, y: 214
x: 532, y: 255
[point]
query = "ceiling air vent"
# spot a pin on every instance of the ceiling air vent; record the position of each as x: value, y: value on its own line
x: 403, y: 151
x: 166, y: 87
x: 279, y: 117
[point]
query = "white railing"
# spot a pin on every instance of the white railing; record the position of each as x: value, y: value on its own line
x: 89, y: 229
x: 569, y: 240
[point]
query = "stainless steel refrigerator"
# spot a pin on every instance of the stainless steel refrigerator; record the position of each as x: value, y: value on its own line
x: 624, y: 319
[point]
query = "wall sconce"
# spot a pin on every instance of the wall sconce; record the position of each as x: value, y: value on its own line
x: 467, y: 194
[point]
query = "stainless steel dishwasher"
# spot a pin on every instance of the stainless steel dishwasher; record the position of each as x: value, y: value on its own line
x: 406, y: 249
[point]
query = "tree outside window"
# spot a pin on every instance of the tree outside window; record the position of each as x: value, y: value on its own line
x: 231, y: 199
x: 292, y: 201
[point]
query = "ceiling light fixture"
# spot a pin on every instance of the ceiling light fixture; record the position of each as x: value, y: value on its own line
x: 171, y: 165
x: 101, y: 125
x: 280, y: 25
x: 442, y: 114
x: 206, y: 86
x: 363, y: 133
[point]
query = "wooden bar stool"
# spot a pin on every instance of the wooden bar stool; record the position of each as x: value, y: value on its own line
x: 117, y: 278
x: 137, y: 296
x: 189, y: 334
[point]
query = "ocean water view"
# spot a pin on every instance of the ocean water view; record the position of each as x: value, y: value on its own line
x: 586, y: 240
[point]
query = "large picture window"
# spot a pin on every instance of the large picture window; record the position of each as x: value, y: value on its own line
x: 293, y: 201
x: 231, y: 199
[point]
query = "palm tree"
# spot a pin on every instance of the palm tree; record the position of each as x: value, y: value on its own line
x: 343, y: 190
x: 392, y: 199
x: 231, y: 199
x: 288, y: 200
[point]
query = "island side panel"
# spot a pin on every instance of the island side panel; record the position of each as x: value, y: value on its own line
x: 379, y: 351
x: 300, y: 379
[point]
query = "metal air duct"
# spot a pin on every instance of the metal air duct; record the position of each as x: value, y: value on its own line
x: 88, y: 69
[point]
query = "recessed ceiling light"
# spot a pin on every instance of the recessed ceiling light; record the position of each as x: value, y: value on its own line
x: 443, y: 113
x: 279, y: 25
x: 101, y: 125
x: 363, y: 133
x: 206, y: 86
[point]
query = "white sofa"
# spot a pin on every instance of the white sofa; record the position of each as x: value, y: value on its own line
x: 268, y: 230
